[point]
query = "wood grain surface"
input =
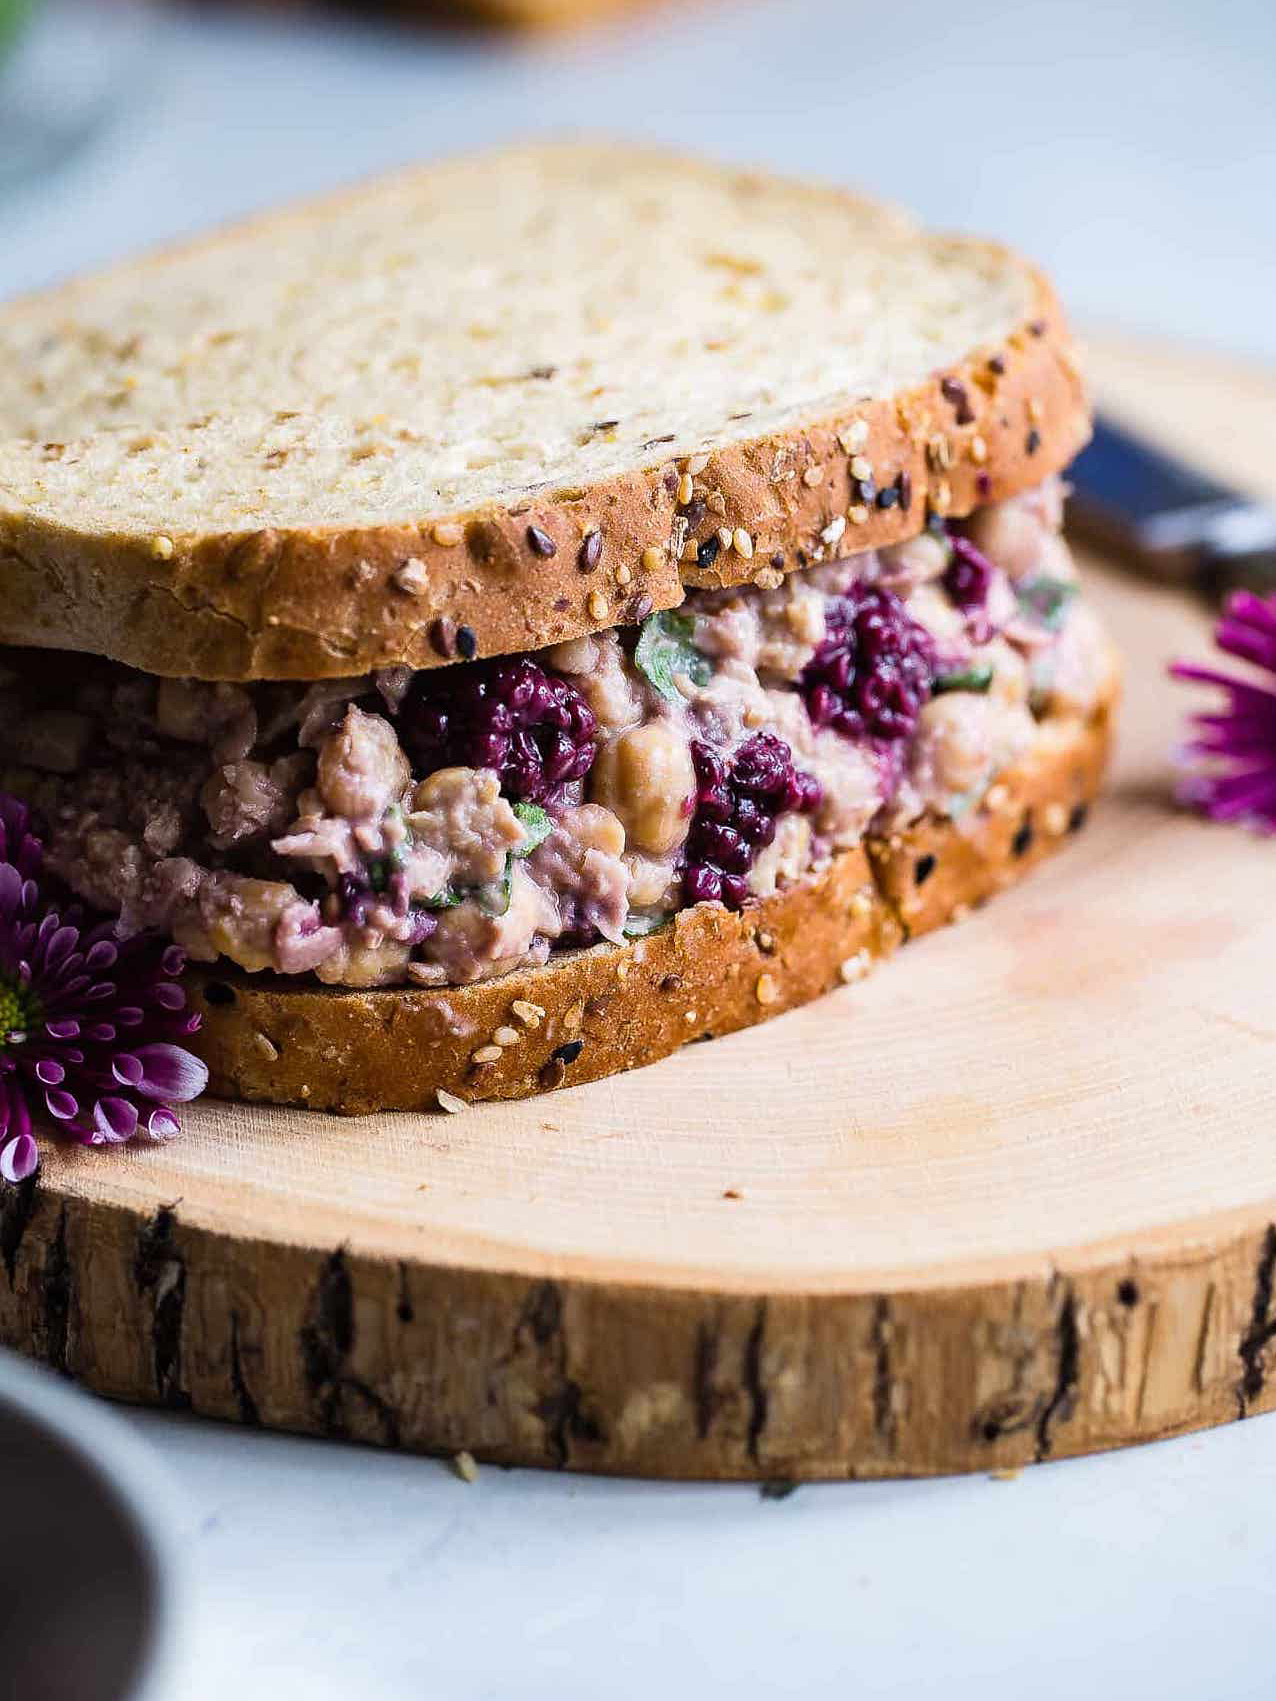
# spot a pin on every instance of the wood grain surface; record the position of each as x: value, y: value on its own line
x: 1013, y: 1197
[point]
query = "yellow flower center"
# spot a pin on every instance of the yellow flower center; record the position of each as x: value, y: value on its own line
x: 18, y: 1012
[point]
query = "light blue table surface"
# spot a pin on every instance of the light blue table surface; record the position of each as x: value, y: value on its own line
x: 1131, y: 148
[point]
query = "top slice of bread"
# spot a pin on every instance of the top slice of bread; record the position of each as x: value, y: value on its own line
x: 324, y: 440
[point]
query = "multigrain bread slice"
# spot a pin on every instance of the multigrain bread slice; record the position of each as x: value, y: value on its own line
x: 710, y: 971
x: 519, y: 397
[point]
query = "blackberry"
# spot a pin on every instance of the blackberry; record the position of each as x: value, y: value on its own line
x: 532, y: 727
x: 871, y: 677
x: 737, y: 805
x: 967, y: 576
x: 354, y: 895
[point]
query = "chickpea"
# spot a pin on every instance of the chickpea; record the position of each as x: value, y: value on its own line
x: 916, y: 561
x: 931, y: 608
x: 1011, y: 535
x: 954, y: 741
x: 650, y: 880
x: 596, y: 828
x: 1010, y: 675
x: 356, y: 964
x: 236, y: 918
x: 362, y: 770
x: 785, y: 859
x: 459, y: 814
x: 646, y: 777
x: 453, y: 788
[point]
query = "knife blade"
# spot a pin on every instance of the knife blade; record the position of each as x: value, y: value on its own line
x: 1169, y: 520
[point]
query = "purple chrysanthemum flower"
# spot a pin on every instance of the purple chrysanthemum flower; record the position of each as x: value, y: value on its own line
x: 88, y: 1022
x: 1239, y: 742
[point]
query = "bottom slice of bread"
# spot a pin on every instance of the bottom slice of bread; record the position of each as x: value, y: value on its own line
x: 591, y: 1013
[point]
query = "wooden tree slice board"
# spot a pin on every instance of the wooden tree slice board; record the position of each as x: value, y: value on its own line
x: 1011, y: 1197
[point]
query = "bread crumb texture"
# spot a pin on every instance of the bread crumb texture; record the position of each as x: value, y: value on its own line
x: 472, y: 333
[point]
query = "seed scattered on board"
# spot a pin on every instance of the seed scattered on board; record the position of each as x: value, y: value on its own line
x: 779, y: 1488
x: 464, y: 1466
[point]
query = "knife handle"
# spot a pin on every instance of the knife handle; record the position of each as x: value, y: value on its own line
x: 1167, y: 519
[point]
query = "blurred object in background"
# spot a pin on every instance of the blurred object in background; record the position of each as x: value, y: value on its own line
x: 64, y: 65
x: 525, y: 14
x: 503, y: 14
x: 14, y: 16
x: 92, y: 1580
x: 1168, y: 518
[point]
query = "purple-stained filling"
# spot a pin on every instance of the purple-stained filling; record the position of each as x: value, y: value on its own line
x: 737, y: 806
x: 968, y: 575
x: 530, y: 726
x: 443, y: 827
x: 871, y: 677
x: 356, y: 896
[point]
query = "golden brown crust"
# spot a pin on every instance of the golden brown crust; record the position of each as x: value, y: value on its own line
x: 599, y: 1011
x: 313, y: 604
x: 934, y: 872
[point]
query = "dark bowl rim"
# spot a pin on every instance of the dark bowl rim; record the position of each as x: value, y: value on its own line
x: 134, y: 1477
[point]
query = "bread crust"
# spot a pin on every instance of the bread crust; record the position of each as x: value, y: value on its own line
x: 592, y: 1013
x: 324, y: 603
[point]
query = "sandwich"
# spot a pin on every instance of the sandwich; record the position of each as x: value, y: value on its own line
x: 511, y: 620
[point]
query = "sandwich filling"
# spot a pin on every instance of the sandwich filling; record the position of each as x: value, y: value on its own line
x: 442, y: 827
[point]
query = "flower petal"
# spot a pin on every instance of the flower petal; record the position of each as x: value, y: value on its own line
x: 10, y: 890
x: 115, y: 1119
x: 61, y: 1105
x: 128, y: 1070
x: 170, y: 1073
x: 49, y: 1072
x: 1232, y: 758
x: 162, y: 1124
x: 19, y: 1113
x: 18, y: 1158
x: 102, y: 955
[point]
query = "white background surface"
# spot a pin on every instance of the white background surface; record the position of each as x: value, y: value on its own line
x: 1133, y: 149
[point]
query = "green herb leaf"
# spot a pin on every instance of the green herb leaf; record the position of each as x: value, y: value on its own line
x: 666, y: 648
x: 447, y: 899
x: 535, y: 823
x: 1046, y: 599
x: 380, y: 871
x: 971, y: 679
x: 494, y: 899
x: 639, y: 926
